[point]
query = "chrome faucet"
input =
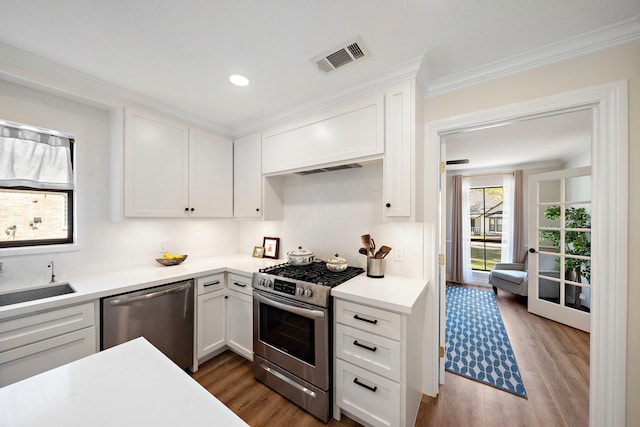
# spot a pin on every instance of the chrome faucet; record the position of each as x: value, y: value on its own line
x: 53, y: 274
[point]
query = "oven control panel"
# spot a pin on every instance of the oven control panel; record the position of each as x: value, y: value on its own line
x: 284, y: 287
x: 309, y: 293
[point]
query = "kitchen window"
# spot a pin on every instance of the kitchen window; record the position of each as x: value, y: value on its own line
x: 36, y: 186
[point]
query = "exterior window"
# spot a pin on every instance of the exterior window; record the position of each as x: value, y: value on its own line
x: 485, y: 206
x: 36, y: 187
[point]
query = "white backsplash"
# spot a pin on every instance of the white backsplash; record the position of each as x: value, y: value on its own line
x: 325, y: 213
x: 328, y: 212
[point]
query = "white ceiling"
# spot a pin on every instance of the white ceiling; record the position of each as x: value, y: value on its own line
x: 539, y: 142
x: 179, y: 54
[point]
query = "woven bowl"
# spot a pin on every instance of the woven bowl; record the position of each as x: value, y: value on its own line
x: 171, y: 261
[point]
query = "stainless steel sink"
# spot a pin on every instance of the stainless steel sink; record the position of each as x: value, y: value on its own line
x: 32, y: 294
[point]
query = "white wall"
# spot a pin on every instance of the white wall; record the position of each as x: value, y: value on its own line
x: 328, y: 212
x: 604, y: 66
x: 105, y: 245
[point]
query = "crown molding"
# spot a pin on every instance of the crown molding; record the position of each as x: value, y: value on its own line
x: 602, y: 38
x: 24, y: 68
x: 406, y: 70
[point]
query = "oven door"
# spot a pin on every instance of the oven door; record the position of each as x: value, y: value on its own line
x: 293, y: 336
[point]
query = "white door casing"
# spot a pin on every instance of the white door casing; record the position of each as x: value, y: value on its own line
x: 610, y: 194
x: 442, y: 259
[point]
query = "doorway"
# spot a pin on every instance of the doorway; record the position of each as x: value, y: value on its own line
x: 536, y: 145
x: 607, y: 104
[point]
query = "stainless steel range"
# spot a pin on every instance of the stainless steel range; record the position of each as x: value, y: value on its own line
x: 292, y: 332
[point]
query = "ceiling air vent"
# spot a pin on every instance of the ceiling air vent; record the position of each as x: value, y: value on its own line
x: 345, y: 54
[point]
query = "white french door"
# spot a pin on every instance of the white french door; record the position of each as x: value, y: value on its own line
x: 559, y: 258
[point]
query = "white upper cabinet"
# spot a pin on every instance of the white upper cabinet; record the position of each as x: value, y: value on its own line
x: 210, y: 175
x: 174, y: 171
x: 156, y: 158
x: 403, y: 149
x: 254, y: 196
x: 247, y: 177
x: 349, y: 131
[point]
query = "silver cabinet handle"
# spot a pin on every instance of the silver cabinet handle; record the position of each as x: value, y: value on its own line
x: 215, y: 282
x: 287, y: 380
x: 305, y: 312
x: 122, y: 301
x: 242, y: 285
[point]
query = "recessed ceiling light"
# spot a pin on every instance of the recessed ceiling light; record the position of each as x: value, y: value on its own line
x: 239, y: 80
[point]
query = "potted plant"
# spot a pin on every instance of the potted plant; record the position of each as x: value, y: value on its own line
x: 576, y: 242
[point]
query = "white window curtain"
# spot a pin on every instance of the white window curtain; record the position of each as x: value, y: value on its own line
x: 467, y: 272
x: 508, y: 186
x: 34, y: 159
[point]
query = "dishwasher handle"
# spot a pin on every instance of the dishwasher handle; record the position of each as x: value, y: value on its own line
x: 144, y: 297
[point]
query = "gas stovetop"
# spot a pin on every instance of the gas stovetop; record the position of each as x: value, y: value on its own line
x: 310, y: 283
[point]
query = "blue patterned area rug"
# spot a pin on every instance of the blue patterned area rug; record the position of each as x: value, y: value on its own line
x: 477, y: 343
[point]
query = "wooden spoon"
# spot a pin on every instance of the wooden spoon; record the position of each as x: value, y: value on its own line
x: 363, y: 251
x: 366, y: 243
x: 382, y: 252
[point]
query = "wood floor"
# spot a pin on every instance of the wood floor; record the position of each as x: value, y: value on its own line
x: 553, y: 360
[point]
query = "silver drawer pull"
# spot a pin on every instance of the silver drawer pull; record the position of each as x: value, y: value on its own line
x: 215, y: 282
x: 242, y: 285
x: 368, y: 387
x: 374, y: 321
x: 366, y: 347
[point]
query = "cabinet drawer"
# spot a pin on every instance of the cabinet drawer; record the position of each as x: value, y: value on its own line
x: 374, y: 320
x: 207, y: 284
x: 35, y: 358
x: 40, y: 326
x: 240, y: 283
x: 373, y: 352
x: 374, y: 399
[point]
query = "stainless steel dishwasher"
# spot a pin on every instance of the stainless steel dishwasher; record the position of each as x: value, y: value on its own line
x: 163, y: 315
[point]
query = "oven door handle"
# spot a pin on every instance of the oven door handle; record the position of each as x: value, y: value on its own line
x: 305, y: 312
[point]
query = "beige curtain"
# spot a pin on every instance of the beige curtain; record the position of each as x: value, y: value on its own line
x: 457, y: 265
x: 518, y: 219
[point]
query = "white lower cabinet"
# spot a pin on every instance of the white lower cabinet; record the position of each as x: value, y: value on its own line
x: 373, y: 352
x: 41, y: 341
x: 374, y: 399
x: 240, y: 315
x: 225, y: 315
x: 211, y: 309
x: 211, y: 323
x: 378, y: 366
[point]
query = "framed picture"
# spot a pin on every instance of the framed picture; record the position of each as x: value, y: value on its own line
x: 258, y: 251
x: 271, y: 247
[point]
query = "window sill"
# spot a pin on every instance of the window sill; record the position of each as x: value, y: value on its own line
x: 35, y: 250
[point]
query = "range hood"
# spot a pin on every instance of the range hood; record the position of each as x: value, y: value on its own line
x: 330, y: 169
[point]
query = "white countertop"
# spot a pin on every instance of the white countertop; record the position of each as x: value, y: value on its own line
x: 98, y: 286
x: 391, y: 292
x: 394, y: 293
x: 132, y: 384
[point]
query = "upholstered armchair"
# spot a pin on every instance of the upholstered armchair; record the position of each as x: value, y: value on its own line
x: 510, y: 276
x: 514, y: 277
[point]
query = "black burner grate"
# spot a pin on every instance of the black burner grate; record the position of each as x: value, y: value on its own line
x: 316, y: 272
